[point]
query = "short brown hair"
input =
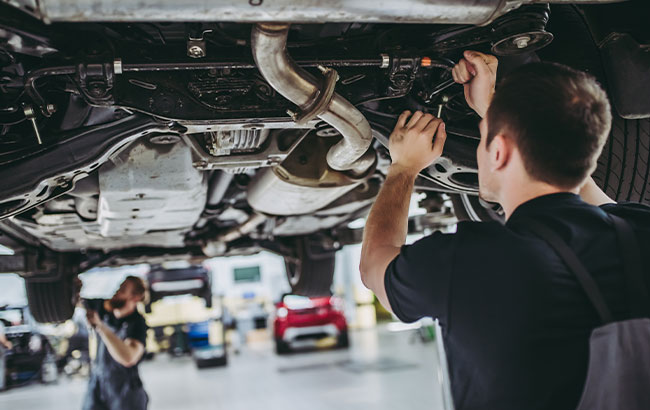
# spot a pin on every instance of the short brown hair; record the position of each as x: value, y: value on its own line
x: 558, y: 117
x: 137, y: 285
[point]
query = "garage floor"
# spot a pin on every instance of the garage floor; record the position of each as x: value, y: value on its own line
x: 381, y: 370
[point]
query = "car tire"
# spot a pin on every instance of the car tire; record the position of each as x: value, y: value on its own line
x: 282, y: 347
x: 311, y: 270
x: 343, y: 341
x: 51, y: 301
x: 623, y: 171
x: 624, y: 166
x: 471, y: 208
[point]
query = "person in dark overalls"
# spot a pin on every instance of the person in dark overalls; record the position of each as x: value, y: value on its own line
x: 114, y: 380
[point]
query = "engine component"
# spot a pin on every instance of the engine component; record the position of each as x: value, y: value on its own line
x: 86, y: 197
x: 269, y: 43
x: 402, y: 72
x: 241, y: 140
x: 220, y: 91
x: 334, y: 214
x: 304, y: 183
x: 150, y: 188
x: 196, y: 45
x: 37, y: 178
x: 303, y: 11
x: 219, y: 184
x: 627, y: 64
x: 97, y: 81
x: 219, y: 245
x: 523, y: 31
x: 273, y: 152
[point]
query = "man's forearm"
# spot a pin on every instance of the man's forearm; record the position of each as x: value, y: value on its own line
x: 387, y: 223
x: 118, y: 349
x: 386, y: 228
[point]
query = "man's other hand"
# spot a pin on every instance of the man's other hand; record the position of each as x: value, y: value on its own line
x: 478, y: 73
x: 416, y: 143
x: 93, y: 318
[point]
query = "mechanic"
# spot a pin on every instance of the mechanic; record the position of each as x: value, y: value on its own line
x: 515, y: 323
x: 5, y: 345
x: 114, y: 381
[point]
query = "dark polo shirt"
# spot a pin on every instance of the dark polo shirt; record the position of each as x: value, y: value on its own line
x: 515, y: 323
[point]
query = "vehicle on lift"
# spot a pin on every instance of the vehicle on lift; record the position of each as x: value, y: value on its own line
x: 300, y: 321
x: 31, y: 356
x: 179, y: 279
x: 153, y: 131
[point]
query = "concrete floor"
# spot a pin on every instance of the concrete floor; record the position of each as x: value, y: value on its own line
x: 381, y: 370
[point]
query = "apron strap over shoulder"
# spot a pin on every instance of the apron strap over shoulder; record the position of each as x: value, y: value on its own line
x: 573, y: 263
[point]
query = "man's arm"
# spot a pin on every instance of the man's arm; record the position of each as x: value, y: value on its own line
x: 382, y: 241
x: 592, y: 194
x: 478, y: 73
x: 126, y: 352
x: 412, y: 148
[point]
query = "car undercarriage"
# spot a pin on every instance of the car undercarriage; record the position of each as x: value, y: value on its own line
x: 193, y: 135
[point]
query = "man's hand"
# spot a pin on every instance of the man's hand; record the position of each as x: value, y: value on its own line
x: 478, y: 73
x: 412, y: 144
x: 93, y: 318
x: 7, y: 344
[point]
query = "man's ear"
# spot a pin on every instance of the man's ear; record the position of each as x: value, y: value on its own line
x: 500, y: 152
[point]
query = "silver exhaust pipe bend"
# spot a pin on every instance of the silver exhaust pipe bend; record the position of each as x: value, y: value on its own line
x: 269, y: 46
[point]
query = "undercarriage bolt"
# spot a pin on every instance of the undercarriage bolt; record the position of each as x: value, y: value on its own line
x: 196, y: 52
x: 31, y: 116
x: 51, y: 108
x: 326, y: 70
x: 522, y: 41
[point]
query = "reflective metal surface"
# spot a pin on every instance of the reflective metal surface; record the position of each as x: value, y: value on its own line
x: 294, y: 11
x: 300, y: 87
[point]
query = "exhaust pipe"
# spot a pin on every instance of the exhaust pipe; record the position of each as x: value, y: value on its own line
x: 269, y: 45
x: 219, y: 245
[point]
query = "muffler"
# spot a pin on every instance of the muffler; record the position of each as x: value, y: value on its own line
x: 313, y: 97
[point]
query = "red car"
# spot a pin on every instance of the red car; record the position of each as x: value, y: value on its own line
x: 300, y: 320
